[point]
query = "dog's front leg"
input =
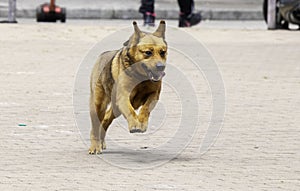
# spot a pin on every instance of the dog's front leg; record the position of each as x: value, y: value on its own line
x: 146, y: 109
x: 128, y: 112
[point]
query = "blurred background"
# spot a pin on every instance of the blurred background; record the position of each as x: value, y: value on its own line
x: 128, y: 9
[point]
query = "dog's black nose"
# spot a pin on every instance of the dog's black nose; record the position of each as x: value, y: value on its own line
x: 160, y: 66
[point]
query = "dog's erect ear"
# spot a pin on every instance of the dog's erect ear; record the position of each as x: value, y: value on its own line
x: 134, y: 39
x: 160, y: 31
x: 135, y: 36
x: 136, y: 28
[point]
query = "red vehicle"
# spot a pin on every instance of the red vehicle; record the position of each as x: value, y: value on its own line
x: 50, y: 12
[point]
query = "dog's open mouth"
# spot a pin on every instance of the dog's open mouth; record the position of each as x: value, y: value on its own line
x: 154, y: 76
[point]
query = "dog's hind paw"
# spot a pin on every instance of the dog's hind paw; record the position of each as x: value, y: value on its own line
x: 97, y: 148
x: 103, y: 145
x: 93, y: 151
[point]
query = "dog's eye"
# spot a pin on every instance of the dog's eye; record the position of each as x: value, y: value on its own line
x: 148, y: 53
x: 162, y: 53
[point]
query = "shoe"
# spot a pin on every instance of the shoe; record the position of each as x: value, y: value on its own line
x: 190, y: 20
x: 149, y: 19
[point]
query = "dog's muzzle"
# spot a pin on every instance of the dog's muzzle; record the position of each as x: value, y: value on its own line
x: 156, y: 75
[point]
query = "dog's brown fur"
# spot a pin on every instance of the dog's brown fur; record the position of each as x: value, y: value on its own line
x: 125, y: 80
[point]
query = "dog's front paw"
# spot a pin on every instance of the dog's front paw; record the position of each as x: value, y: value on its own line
x: 144, y: 121
x: 97, y: 147
x: 144, y: 127
x: 135, y: 126
x: 135, y: 130
x: 141, y: 128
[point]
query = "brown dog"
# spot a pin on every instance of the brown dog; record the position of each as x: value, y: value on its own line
x: 125, y: 80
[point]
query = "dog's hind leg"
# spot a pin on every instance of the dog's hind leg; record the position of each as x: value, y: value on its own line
x: 95, y: 147
x: 98, y: 104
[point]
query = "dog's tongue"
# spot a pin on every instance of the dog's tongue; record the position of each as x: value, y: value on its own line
x: 156, y: 77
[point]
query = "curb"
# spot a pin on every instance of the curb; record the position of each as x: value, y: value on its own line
x: 134, y: 14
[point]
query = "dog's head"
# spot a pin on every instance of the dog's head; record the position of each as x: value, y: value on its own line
x: 147, y: 51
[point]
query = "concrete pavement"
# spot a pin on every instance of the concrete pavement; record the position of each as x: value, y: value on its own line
x: 128, y: 9
x: 257, y: 149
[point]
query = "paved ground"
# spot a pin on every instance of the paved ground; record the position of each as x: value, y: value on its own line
x: 128, y: 9
x: 257, y: 149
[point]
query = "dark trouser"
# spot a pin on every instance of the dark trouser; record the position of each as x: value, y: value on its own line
x: 147, y: 6
x: 186, y: 7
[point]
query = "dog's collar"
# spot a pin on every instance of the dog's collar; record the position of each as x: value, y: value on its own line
x: 128, y: 57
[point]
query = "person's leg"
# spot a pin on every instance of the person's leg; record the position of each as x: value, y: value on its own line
x: 147, y: 9
x: 187, y: 18
x: 186, y: 6
x: 147, y: 6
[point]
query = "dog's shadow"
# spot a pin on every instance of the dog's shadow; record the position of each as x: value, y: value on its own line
x: 143, y: 158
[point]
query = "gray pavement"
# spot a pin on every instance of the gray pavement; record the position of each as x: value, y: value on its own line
x: 257, y: 148
x: 128, y: 9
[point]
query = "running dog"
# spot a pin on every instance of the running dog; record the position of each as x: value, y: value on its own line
x: 125, y: 81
